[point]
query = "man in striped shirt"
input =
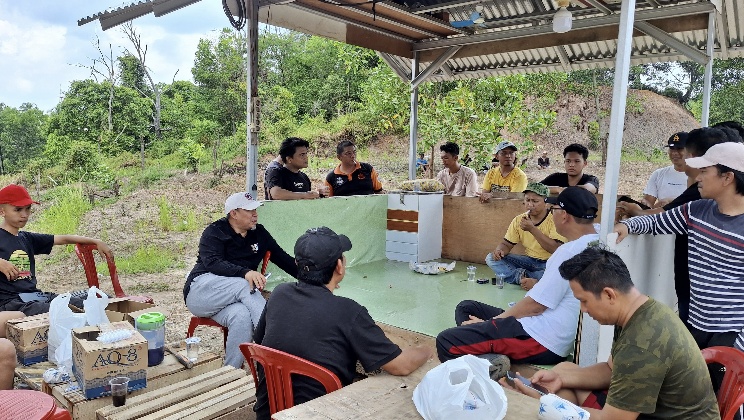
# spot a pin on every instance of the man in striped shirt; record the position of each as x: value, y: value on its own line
x: 715, y: 229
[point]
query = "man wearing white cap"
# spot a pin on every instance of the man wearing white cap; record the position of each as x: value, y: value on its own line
x: 715, y: 229
x: 223, y: 282
x: 506, y: 177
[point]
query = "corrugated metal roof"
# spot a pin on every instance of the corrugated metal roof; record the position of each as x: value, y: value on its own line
x: 515, y: 37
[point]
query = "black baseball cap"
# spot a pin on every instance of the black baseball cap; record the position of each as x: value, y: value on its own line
x: 577, y: 202
x: 319, y: 248
x: 677, y: 140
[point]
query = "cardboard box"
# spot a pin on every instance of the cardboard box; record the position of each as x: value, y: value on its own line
x: 95, y: 362
x: 122, y: 309
x: 29, y: 336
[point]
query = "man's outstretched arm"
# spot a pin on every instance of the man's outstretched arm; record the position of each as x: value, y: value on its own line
x: 409, y: 360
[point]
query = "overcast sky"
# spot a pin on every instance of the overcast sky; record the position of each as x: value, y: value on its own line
x: 42, y: 48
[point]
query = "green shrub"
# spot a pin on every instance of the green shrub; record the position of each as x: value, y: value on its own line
x: 164, y: 215
x: 63, y: 216
x: 191, y: 154
x: 148, y: 259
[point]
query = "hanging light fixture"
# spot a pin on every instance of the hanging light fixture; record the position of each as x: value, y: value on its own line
x: 562, y: 20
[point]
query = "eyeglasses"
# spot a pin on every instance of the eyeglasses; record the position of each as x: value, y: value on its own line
x: 552, y: 209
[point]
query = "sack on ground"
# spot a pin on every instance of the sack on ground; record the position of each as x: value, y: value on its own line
x: 95, y: 307
x: 61, y: 322
x: 460, y: 389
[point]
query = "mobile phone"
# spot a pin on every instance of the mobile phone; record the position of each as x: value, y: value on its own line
x: 526, y: 382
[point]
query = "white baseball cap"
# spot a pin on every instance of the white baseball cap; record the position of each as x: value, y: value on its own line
x: 728, y: 154
x: 242, y: 200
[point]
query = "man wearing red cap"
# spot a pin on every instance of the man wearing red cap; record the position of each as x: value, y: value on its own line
x: 18, y: 291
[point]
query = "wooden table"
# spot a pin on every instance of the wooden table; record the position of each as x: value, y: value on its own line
x: 168, y: 372
x: 388, y: 397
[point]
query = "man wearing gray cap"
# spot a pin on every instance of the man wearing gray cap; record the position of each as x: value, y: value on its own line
x: 505, y: 177
x: 307, y: 320
x: 222, y: 284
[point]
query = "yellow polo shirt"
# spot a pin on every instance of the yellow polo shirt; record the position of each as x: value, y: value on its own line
x: 515, y: 234
x: 516, y: 181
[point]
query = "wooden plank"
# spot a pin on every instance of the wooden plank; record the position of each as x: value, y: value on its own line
x: 170, y: 371
x: 242, y: 389
x: 163, y: 397
x: 242, y: 413
x: 470, y: 229
x: 402, y: 226
x: 409, y: 215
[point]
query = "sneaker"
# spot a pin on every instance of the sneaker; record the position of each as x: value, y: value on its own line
x: 499, y: 365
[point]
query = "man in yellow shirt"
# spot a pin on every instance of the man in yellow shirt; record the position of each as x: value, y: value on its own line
x: 535, y: 230
x: 506, y: 177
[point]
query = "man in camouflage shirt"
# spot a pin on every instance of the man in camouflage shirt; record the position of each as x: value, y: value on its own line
x: 655, y: 370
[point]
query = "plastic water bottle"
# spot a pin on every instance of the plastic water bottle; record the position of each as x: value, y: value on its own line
x: 471, y: 273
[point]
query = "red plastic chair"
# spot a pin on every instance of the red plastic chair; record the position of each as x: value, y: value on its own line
x: 209, y: 322
x: 31, y: 405
x: 731, y: 393
x: 279, y: 367
x: 85, y: 254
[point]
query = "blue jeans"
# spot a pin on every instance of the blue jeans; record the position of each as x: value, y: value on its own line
x: 511, y: 266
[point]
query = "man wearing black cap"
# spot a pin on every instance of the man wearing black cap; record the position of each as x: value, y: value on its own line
x: 541, y: 327
x: 668, y: 182
x: 307, y: 320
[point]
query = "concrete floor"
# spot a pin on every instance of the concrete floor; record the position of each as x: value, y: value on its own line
x: 395, y: 295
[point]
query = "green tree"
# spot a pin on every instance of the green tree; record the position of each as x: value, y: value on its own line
x: 219, y: 73
x: 22, y: 136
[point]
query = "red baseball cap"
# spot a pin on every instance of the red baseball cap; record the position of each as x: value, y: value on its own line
x: 16, y: 195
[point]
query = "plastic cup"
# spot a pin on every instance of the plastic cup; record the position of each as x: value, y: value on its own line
x: 498, y: 281
x: 471, y: 273
x: 119, y: 390
x: 192, y: 348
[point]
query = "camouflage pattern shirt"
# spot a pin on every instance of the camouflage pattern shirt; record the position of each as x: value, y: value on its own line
x: 658, y: 369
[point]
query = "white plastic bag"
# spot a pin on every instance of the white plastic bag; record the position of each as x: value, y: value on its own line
x: 61, y: 322
x: 553, y: 407
x: 95, y: 307
x: 460, y: 389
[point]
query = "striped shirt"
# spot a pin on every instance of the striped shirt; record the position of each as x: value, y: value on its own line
x: 716, y: 262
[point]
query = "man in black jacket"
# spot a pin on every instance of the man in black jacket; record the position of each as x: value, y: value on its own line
x: 223, y: 282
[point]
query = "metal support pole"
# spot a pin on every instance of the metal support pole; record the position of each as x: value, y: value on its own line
x: 253, y: 108
x: 707, y: 80
x: 413, y: 132
x: 595, y: 352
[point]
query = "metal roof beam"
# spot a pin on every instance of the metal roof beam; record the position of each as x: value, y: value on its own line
x: 722, y: 27
x: 563, y: 56
x: 666, y: 39
x: 589, y: 23
x: 443, y: 6
x: 434, y: 66
x: 111, y: 19
x: 348, y: 21
x: 163, y: 7
x: 601, y: 6
x: 395, y: 66
x: 382, y: 18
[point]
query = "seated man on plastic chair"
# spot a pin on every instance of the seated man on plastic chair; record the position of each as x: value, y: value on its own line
x: 222, y: 285
x: 307, y: 320
x: 18, y: 290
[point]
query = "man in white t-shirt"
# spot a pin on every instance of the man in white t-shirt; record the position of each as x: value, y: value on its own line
x: 541, y: 327
x: 457, y: 179
x: 669, y: 182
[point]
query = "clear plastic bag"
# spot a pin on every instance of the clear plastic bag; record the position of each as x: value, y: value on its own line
x: 460, y: 389
x: 61, y: 322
